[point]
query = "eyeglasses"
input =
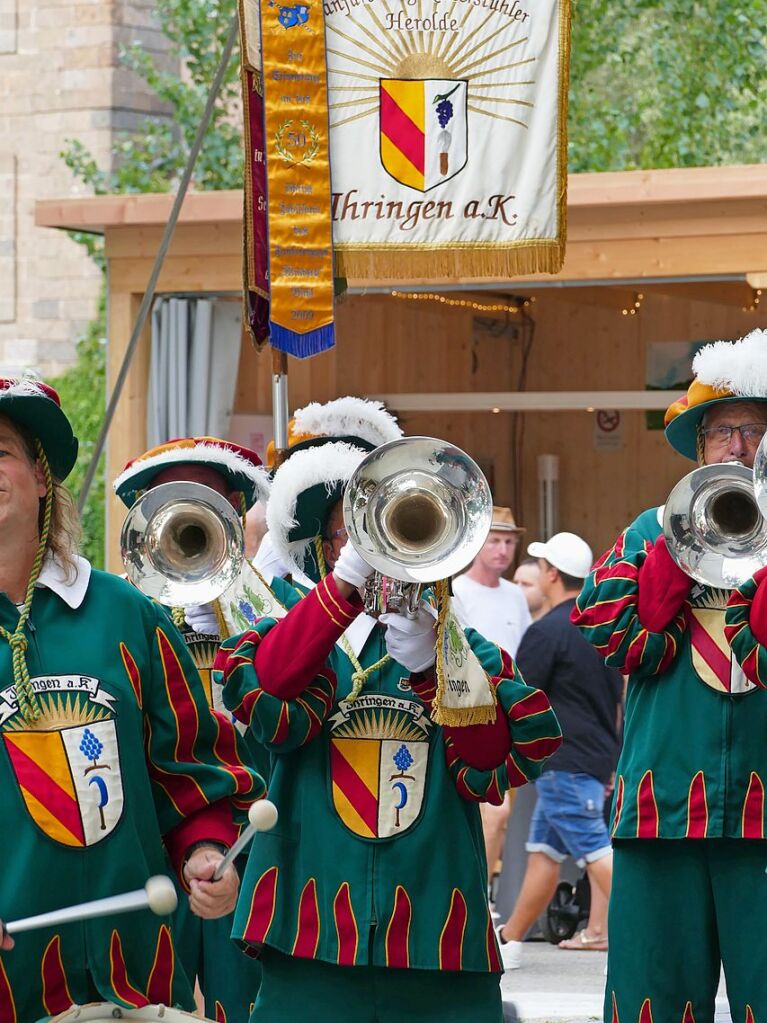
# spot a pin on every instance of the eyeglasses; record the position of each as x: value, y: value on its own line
x: 750, y: 433
x: 342, y: 534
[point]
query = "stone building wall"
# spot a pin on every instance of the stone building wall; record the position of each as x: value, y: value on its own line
x: 59, y: 79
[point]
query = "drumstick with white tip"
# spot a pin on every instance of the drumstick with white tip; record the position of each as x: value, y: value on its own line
x: 262, y: 816
x: 158, y: 894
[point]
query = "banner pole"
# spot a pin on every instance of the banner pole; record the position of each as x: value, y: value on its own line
x: 280, y: 404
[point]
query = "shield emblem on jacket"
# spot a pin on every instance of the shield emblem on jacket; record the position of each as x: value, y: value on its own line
x: 712, y: 657
x: 378, y: 785
x: 423, y: 130
x: 70, y: 780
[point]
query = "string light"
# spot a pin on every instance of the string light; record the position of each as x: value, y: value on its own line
x: 463, y: 303
x: 634, y: 308
x: 756, y: 295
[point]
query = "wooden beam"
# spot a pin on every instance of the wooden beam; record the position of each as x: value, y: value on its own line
x: 528, y: 401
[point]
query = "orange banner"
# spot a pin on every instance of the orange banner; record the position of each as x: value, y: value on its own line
x: 298, y: 177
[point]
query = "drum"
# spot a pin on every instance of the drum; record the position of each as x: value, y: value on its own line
x: 108, y: 1012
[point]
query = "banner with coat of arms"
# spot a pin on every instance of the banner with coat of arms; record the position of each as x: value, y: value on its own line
x: 448, y: 136
x: 445, y: 128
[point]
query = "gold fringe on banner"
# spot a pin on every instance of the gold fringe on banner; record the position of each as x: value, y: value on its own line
x: 465, y: 695
x: 460, y: 260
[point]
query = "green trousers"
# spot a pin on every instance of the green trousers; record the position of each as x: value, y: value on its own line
x: 678, y: 909
x: 229, y: 979
x: 295, y: 990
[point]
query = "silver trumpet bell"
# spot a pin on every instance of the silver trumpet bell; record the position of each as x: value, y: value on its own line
x: 715, y: 525
x: 182, y: 544
x: 417, y: 510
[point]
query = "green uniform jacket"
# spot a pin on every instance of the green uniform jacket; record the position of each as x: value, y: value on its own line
x: 377, y: 857
x: 694, y: 759
x: 125, y: 752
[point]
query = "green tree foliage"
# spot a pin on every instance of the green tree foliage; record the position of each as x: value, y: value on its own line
x: 77, y: 387
x: 667, y: 83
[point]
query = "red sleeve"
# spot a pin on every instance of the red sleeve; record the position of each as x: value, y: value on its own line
x: 662, y: 588
x: 484, y: 747
x: 295, y: 650
x: 212, y: 823
x: 758, y: 615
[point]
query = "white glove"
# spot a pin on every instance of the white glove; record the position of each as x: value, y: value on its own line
x: 269, y: 562
x: 350, y: 567
x: 412, y: 642
x: 202, y: 618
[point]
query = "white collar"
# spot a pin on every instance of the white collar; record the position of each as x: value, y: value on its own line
x: 54, y: 577
x: 357, y: 633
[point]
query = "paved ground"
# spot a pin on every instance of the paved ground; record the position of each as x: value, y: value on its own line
x: 554, y: 986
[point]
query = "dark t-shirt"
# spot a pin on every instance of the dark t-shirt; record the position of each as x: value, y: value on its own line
x: 583, y: 691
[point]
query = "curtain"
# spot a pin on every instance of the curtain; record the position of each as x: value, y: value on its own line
x: 193, y: 367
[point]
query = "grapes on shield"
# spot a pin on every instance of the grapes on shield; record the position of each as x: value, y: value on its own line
x: 444, y: 112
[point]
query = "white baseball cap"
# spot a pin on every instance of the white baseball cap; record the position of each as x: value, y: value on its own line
x: 565, y: 551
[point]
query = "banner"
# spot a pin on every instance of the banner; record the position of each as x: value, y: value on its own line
x: 255, y: 288
x: 447, y: 143
x: 448, y: 136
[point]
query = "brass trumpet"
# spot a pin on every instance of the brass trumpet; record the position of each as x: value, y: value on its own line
x: 714, y: 523
x: 417, y: 510
x: 182, y: 544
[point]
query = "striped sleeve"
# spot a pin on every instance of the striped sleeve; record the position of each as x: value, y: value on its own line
x: 196, y: 757
x: 606, y: 612
x: 534, y: 731
x: 280, y: 725
x: 749, y: 652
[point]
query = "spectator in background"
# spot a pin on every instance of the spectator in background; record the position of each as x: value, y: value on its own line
x: 528, y: 578
x: 586, y: 697
x: 496, y: 608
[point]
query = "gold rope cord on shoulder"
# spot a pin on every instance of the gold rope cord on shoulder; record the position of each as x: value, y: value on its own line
x: 29, y: 705
x: 360, y: 675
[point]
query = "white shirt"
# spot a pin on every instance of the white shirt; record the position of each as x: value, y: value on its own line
x: 499, y: 613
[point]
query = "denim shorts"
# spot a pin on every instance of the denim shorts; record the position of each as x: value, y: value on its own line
x: 568, y: 818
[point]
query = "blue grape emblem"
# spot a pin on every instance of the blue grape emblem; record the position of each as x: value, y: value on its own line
x: 90, y: 747
x: 402, y: 758
x: 444, y: 112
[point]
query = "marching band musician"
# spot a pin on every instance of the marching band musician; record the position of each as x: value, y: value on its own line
x: 689, y: 886
x: 110, y: 761
x: 369, y: 898
x: 228, y: 979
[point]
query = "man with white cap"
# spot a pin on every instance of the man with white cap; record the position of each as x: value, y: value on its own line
x: 585, y: 694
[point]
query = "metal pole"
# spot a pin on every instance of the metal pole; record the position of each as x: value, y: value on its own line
x: 151, y: 286
x: 280, y: 404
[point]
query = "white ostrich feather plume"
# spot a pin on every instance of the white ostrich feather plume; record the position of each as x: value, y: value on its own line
x: 331, y: 464
x: 739, y: 367
x: 348, y: 417
x: 24, y: 386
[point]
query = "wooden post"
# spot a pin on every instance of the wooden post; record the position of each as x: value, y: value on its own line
x: 127, y: 437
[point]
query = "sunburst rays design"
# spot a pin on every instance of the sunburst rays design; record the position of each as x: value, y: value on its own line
x: 712, y: 599
x: 368, y: 45
x: 57, y: 712
x: 381, y: 724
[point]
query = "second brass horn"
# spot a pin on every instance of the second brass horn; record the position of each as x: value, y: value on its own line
x: 182, y: 544
x: 714, y: 527
x: 417, y: 510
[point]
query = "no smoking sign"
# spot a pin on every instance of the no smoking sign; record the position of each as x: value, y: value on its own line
x: 608, y: 430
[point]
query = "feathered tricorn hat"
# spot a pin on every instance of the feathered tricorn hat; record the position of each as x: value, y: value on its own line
x: 312, y: 479
x: 239, y: 466
x: 724, y: 371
